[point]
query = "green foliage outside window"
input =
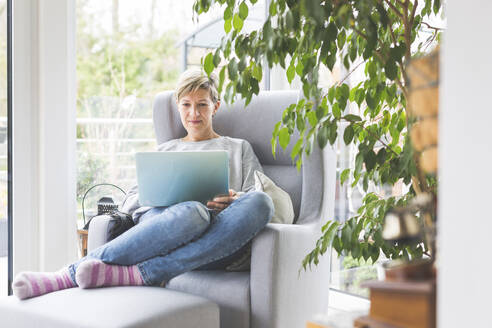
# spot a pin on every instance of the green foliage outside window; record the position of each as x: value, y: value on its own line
x: 119, y: 71
x: 303, y: 36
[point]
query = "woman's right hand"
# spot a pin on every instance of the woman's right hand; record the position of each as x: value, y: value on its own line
x: 221, y: 202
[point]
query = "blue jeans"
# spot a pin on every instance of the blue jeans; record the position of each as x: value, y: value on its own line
x: 169, y: 241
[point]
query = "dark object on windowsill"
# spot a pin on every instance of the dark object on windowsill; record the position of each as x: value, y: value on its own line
x: 105, y: 205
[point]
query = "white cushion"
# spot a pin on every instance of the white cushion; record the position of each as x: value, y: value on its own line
x: 284, y: 211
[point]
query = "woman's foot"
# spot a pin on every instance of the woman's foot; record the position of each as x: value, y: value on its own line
x: 30, y: 284
x: 95, y: 273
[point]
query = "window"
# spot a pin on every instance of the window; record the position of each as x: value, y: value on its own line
x: 127, y: 52
x: 4, y: 152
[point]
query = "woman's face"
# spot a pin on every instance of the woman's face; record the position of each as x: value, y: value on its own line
x: 196, y: 110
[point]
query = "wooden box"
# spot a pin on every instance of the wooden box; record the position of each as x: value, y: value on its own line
x: 400, y: 304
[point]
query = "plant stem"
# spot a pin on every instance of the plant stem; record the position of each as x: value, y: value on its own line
x: 393, y: 8
x: 432, y: 27
x: 349, y: 73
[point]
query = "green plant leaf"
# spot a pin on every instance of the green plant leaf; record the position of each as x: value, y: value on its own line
x: 243, y: 10
x: 344, y: 176
x: 346, y: 236
x: 273, y: 8
x: 341, y: 38
x: 359, y: 160
x: 217, y: 58
x: 437, y: 6
x: 291, y: 73
x: 228, y: 13
x: 323, y: 136
x: 348, y: 134
x: 344, y: 91
x: 312, y: 119
x: 237, y: 23
x: 336, y: 110
x: 297, y: 148
x: 232, y: 69
x: 370, y: 101
x: 370, y: 160
x: 332, y: 135
x: 208, y: 63
x: 337, y: 244
x: 328, y: 236
x: 257, y: 72
x: 221, y: 78
x: 372, y: 69
x: 228, y: 25
x: 352, y: 118
x: 374, y: 253
x: 390, y: 70
x: 331, y: 32
x: 284, y: 137
x: 331, y: 94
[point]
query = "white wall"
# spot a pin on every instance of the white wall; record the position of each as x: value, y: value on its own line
x: 44, y: 177
x: 465, y: 231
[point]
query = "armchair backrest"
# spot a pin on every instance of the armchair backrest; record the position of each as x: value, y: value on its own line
x: 255, y: 123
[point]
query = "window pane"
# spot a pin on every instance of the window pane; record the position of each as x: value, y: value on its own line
x: 127, y: 52
x: 3, y: 150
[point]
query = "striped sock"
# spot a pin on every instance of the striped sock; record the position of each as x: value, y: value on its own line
x: 95, y: 273
x: 30, y: 284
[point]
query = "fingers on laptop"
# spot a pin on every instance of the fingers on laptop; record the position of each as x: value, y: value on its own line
x: 223, y: 199
x: 218, y: 204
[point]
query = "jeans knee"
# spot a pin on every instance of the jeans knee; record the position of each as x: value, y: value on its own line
x: 199, y: 212
x: 263, y: 203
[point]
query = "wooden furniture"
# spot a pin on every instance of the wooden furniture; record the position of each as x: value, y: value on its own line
x: 83, y: 234
x: 406, y: 304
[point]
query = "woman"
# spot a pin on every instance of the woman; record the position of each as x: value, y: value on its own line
x: 168, y: 241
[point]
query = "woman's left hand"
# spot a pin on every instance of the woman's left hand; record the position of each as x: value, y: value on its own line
x: 220, y: 202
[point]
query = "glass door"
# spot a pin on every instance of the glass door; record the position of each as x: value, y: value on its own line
x: 5, y: 149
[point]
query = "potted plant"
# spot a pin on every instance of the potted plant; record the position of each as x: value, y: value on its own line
x: 301, y: 37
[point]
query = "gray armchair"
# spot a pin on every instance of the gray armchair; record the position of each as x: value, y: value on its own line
x: 271, y: 295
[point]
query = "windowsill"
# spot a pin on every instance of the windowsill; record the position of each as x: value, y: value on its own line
x: 341, y: 301
x: 342, y: 310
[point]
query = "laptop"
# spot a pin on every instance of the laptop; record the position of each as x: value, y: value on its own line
x: 170, y: 177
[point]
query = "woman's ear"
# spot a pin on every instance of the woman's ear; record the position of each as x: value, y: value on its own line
x: 216, y: 107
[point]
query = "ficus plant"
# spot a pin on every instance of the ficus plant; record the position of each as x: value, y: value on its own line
x: 302, y: 37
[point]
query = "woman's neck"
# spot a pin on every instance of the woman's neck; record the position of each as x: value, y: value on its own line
x: 211, y: 135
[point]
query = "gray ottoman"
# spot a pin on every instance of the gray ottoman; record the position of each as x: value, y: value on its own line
x: 140, y: 307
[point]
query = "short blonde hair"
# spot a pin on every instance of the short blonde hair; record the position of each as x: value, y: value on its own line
x: 194, y: 79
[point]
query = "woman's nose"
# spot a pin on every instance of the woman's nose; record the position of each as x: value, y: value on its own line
x: 195, y: 111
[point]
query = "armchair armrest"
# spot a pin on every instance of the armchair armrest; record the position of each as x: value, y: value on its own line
x: 98, y: 232
x: 279, y: 296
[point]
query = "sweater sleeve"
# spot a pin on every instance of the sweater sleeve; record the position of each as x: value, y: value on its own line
x: 250, y: 164
x: 130, y: 203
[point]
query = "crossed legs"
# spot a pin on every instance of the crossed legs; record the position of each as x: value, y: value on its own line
x: 166, y: 242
